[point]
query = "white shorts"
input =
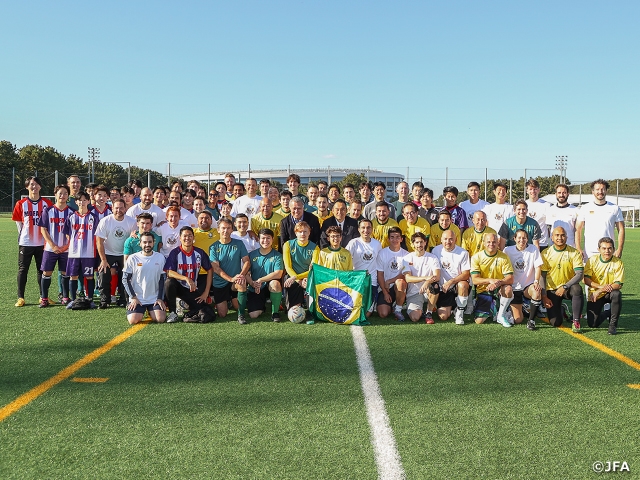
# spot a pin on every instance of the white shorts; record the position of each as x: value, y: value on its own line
x: 416, y: 302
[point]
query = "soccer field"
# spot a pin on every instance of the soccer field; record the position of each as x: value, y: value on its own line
x: 269, y: 400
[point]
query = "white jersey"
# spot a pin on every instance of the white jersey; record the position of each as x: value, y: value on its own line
x: 471, y: 208
x: 564, y: 217
x: 524, y: 264
x: 170, y: 237
x: 452, y: 263
x: 156, y: 211
x: 249, y: 242
x: 390, y: 263
x: 248, y: 206
x: 424, y: 266
x: 364, y: 256
x: 599, y: 221
x: 497, y: 214
x: 115, y: 233
x: 145, y: 275
x: 538, y: 211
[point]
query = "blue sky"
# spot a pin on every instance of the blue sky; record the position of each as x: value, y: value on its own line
x: 390, y: 85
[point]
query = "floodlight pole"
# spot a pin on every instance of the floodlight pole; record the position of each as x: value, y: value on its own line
x: 561, y: 164
x: 94, y: 156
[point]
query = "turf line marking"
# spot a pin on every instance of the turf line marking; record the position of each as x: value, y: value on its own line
x: 62, y: 375
x: 635, y: 386
x: 601, y: 347
x: 89, y: 379
x: 388, y: 459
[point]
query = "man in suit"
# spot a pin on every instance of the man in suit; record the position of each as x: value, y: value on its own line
x: 288, y: 224
x: 348, y: 225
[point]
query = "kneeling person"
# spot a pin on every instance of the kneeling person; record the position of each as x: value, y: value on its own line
x: 334, y: 256
x: 422, y: 273
x: 143, y: 278
x: 264, y: 276
x: 454, y: 277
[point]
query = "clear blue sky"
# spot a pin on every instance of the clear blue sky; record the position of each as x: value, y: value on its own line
x: 391, y: 85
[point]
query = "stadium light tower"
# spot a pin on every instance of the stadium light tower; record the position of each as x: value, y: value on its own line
x: 561, y: 164
x: 94, y: 156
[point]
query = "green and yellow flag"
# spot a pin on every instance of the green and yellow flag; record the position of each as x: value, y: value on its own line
x: 339, y: 297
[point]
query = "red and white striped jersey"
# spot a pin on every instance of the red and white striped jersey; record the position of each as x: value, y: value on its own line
x: 28, y: 212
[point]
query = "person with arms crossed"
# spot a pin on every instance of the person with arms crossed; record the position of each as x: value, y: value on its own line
x: 562, y: 270
x: 263, y: 278
x: 364, y: 252
x: 422, y: 274
x: 230, y: 261
x: 527, y: 277
x: 455, y: 271
x: 143, y: 277
x: 492, y: 276
x: 604, y: 275
x: 393, y: 287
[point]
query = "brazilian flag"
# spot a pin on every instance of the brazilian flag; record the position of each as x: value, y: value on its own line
x: 339, y: 297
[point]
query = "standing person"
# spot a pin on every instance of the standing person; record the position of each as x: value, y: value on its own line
x: 458, y: 215
x: 427, y: 209
x: 265, y: 185
x: 55, y: 248
x: 379, y: 192
x: 293, y: 182
x: 242, y: 233
x: 454, y: 278
x: 537, y: 209
x: 355, y: 210
x: 216, y: 197
x: 283, y: 208
x: 474, y: 203
x: 492, y: 276
x: 322, y: 209
x: 75, y: 186
x: 563, y: 214
x: 527, y: 277
x: 136, y: 186
x: 412, y: 223
x: 126, y: 193
x: 437, y: 229
x: 393, y: 287
x: 230, y: 261
x: 184, y: 281
x: 597, y: 219
x: 144, y: 279
x: 348, y: 226
x: 238, y: 191
x: 416, y: 193
x: 521, y: 221
x: 230, y: 181
x: 111, y: 235
x: 80, y: 229
x: 263, y: 278
x: 500, y: 210
x: 364, y: 252
x: 382, y: 223
x: 287, y: 226
x: 274, y: 196
x: 422, y: 274
x: 159, y: 197
x: 169, y: 231
x: 349, y: 193
x: 268, y: 219
x: 248, y: 204
x: 146, y: 205
x: 364, y: 189
x: 101, y: 196
x: 323, y: 188
x: 563, y: 270
x: 132, y: 245
x: 604, y: 275
x: 402, y: 189
x: 333, y: 195
x: 297, y: 255
x: 472, y: 240
x: 312, y: 193
x: 27, y: 213
x: 334, y: 255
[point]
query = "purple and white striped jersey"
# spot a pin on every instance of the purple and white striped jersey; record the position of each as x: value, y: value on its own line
x: 53, y: 220
x: 81, y: 230
x: 100, y: 214
x: 187, y: 264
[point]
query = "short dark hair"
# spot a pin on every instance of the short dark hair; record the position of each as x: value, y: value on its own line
x: 333, y: 229
x: 148, y: 234
x: 418, y: 235
x: 135, y: 182
x: 473, y: 184
x: 266, y: 231
x: 532, y: 182
x: 426, y: 191
x: 339, y: 200
x: 186, y: 228
x: 58, y: 187
x: 600, y: 181
x: 605, y: 240
x: 144, y: 216
x: 382, y: 204
x: 520, y: 201
x: 500, y: 184
x: 450, y: 189
x: 417, y: 184
x: 394, y: 230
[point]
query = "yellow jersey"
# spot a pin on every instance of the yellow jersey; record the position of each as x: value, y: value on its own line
x: 472, y: 239
x: 435, y: 238
x: 381, y: 230
x: 335, y: 259
x: 408, y: 230
x: 496, y: 266
x: 204, y: 239
x: 258, y: 222
x: 604, y: 273
x: 561, y: 265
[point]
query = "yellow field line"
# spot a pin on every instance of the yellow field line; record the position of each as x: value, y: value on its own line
x: 601, y: 347
x: 89, y: 379
x: 35, y: 392
x: 635, y: 386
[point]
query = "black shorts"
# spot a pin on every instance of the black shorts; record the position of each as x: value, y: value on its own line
x: 295, y: 295
x: 224, y: 294
x: 382, y: 301
x: 518, y: 295
x: 257, y: 301
x: 144, y: 308
x: 447, y: 299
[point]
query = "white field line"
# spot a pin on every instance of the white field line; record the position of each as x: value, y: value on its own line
x: 384, y: 443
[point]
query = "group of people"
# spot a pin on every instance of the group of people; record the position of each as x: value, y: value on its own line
x: 250, y: 247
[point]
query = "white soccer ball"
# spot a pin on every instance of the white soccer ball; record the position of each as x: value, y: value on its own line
x: 296, y: 314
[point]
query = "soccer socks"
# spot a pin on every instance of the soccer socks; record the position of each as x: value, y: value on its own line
x: 504, y: 304
x: 461, y: 302
x: 533, y: 308
x: 64, y: 286
x: 276, y: 298
x: 73, y: 288
x: 242, y: 303
x: 91, y: 286
x: 114, y: 284
x: 44, y: 286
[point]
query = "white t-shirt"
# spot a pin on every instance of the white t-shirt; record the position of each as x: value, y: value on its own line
x: 424, y: 266
x: 249, y: 242
x: 599, y: 221
x: 246, y: 205
x: 390, y: 263
x: 524, y: 265
x: 538, y: 211
x: 145, y: 275
x: 364, y: 256
x: 115, y: 233
x: 564, y: 217
x: 170, y: 236
x: 497, y: 214
x: 471, y: 208
x: 452, y: 263
x: 156, y: 211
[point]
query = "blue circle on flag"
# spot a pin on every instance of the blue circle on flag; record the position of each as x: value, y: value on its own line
x: 335, y: 304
